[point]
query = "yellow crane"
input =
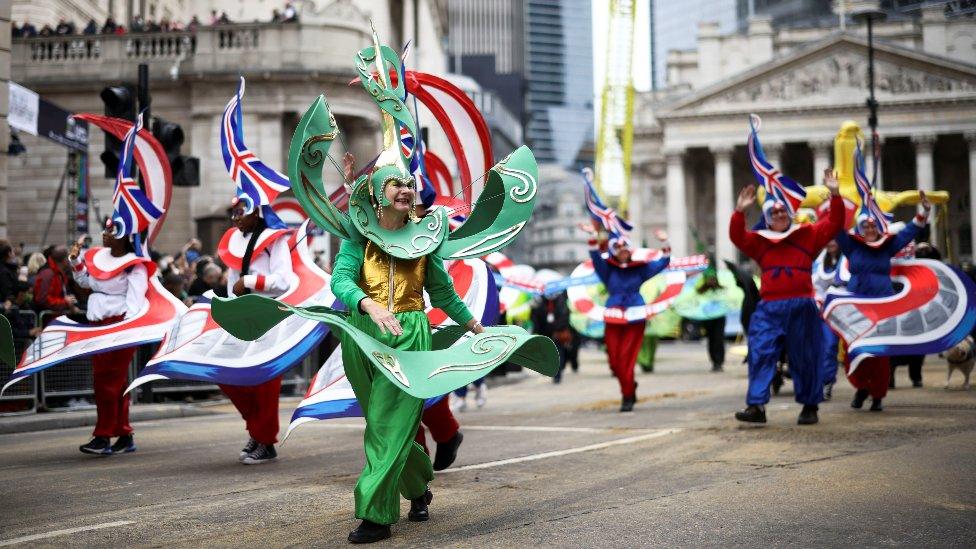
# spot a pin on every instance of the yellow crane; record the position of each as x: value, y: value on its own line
x: 615, y: 135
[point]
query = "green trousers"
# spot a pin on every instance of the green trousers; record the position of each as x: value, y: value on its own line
x: 647, y: 351
x: 395, y: 464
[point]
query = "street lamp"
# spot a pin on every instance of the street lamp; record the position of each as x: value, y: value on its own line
x: 869, y: 16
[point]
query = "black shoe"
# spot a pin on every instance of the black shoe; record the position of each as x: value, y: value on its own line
x: 876, y: 405
x: 264, y: 453
x: 752, y: 414
x: 859, y: 397
x: 627, y: 405
x: 124, y: 444
x: 808, y: 416
x: 828, y: 391
x: 100, y: 446
x: 447, y: 452
x: 917, y: 383
x: 717, y: 368
x: 418, y: 508
x: 369, y: 532
x: 248, y: 448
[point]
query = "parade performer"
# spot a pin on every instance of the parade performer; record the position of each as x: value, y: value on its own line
x: 826, y: 275
x: 385, y: 262
x: 787, y: 314
x: 128, y: 306
x: 869, y: 249
x: 708, y: 300
x: 263, y: 268
x: 623, y: 278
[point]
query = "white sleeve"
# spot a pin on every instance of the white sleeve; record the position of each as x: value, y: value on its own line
x: 79, y: 272
x: 135, y: 294
x: 277, y: 281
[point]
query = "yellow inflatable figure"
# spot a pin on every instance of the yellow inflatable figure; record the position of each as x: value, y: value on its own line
x: 844, y: 144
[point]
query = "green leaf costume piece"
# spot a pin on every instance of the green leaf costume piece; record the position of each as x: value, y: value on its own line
x: 458, y: 357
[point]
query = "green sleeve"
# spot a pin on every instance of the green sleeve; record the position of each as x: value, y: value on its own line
x: 346, y: 272
x: 440, y: 288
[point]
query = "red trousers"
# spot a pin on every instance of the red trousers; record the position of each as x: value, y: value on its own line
x: 258, y: 406
x: 441, y: 422
x: 872, y: 374
x: 110, y: 375
x: 623, y: 344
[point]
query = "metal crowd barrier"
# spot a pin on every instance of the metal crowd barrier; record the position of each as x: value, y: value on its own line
x: 26, y: 390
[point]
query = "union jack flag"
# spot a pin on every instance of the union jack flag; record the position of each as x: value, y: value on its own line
x: 255, y: 180
x: 615, y: 225
x: 869, y: 207
x: 133, y: 210
x: 779, y: 188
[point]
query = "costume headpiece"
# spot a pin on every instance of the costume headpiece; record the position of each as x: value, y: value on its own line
x: 502, y: 209
x: 780, y: 189
x: 257, y: 183
x: 869, y: 211
x: 133, y: 210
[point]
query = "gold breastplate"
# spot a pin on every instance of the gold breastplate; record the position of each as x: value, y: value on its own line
x: 381, y: 272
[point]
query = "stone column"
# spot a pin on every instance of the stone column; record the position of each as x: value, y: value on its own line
x: 774, y: 154
x: 971, y: 141
x: 925, y: 175
x: 723, y: 202
x: 677, y: 210
x: 270, y: 142
x: 821, y: 159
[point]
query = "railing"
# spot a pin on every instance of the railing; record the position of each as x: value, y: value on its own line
x: 222, y: 49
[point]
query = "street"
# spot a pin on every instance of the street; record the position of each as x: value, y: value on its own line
x: 541, y: 465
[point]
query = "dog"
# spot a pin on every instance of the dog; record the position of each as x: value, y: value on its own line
x: 962, y: 357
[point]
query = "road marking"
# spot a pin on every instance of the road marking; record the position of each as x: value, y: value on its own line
x: 523, y: 428
x: 568, y: 451
x: 55, y: 533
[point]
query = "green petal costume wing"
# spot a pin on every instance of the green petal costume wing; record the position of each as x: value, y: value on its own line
x: 458, y: 357
x: 306, y: 157
x: 502, y: 210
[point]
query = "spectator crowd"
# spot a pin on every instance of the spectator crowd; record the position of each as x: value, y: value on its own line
x: 138, y: 24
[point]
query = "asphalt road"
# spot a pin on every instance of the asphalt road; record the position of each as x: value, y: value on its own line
x: 542, y: 465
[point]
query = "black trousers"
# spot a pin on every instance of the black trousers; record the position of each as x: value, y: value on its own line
x: 914, y: 363
x: 715, y: 332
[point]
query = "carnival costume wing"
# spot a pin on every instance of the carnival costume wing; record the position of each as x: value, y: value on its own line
x: 458, y: 359
x: 197, y: 349
x: 135, y: 209
x: 330, y: 394
x: 694, y: 305
x: 935, y: 310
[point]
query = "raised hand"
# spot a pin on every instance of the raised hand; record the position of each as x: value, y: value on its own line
x: 747, y: 197
x: 926, y: 205
x: 830, y: 181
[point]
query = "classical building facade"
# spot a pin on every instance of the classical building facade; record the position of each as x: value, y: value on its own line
x: 553, y: 240
x: 192, y: 75
x: 690, y: 156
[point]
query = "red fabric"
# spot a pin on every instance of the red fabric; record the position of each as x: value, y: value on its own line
x: 258, y: 406
x: 872, y: 374
x: 441, y: 422
x: 49, y: 288
x: 623, y: 344
x: 110, y: 375
x: 796, y: 252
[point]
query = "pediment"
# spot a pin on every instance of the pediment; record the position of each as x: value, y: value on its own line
x: 833, y: 72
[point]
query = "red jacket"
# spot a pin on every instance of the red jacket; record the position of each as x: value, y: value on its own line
x: 49, y: 289
x: 786, y: 261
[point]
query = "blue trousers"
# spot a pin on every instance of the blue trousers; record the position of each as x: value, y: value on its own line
x: 794, y: 323
x: 829, y: 357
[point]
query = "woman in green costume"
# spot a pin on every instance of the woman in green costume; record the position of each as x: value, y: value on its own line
x: 387, y: 259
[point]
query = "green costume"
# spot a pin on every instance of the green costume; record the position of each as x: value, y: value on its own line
x: 391, y: 375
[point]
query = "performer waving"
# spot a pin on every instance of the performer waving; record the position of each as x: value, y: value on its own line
x: 787, y: 312
x: 869, y: 250
x: 623, y: 278
x: 118, y: 279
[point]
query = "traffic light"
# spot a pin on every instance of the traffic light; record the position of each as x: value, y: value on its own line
x: 186, y: 169
x: 120, y: 102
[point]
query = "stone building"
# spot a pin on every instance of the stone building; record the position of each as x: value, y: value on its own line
x: 192, y: 75
x: 552, y: 239
x: 689, y: 150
